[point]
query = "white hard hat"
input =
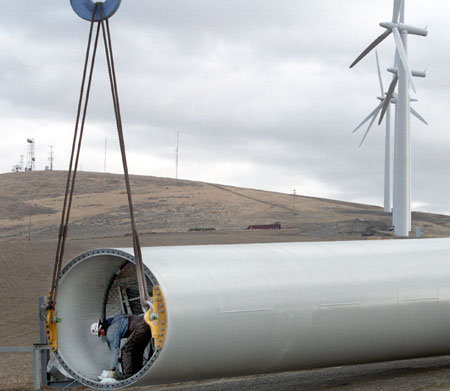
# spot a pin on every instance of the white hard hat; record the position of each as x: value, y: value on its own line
x: 95, y: 328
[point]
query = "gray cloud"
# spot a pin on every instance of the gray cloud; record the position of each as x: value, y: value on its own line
x: 259, y: 90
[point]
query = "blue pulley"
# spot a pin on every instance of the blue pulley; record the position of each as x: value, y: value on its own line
x: 84, y: 8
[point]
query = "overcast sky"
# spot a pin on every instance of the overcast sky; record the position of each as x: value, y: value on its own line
x: 260, y: 92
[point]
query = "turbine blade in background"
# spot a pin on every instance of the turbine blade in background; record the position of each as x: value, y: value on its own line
x: 379, y: 74
x: 367, y: 118
x: 370, y: 47
x: 417, y: 115
x: 371, y: 123
x: 403, y: 56
x: 387, y: 99
x: 396, y: 13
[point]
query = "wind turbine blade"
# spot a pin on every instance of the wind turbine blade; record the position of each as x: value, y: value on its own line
x: 379, y: 74
x: 417, y: 115
x: 366, y: 119
x: 370, y: 47
x: 396, y: 13
x: 403, y: 56
x: 371, y: 123
x: 387, y: 99
x: 402, y: 11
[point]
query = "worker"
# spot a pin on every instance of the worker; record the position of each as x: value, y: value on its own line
x: 138, y: 334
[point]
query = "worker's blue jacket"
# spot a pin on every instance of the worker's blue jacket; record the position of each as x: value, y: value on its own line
x: 116, y: 329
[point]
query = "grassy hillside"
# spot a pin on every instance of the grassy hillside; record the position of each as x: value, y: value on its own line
x: 30, y: 203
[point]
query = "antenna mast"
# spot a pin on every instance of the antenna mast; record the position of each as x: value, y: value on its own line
x: 31, y: 156
x: 51, y: 158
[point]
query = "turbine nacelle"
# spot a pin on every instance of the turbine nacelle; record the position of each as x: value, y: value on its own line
x: 394, y: 99
x: 405, y: 27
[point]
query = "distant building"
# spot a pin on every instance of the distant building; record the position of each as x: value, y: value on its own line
x: 265, y: 226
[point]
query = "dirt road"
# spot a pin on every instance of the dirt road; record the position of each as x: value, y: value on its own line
x: 428, y: 374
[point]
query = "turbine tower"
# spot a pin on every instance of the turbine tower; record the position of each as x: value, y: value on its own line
x: 393, y: 97
x: 387, y: 152
x: 402, y: 148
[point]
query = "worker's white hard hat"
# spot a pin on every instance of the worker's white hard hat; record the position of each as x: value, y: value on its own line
x: 95, y: 328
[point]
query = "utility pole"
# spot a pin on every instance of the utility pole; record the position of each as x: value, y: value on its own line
x: 29, y: 228
x: 294, y: 193
x: 176, y: 156
x: 104, y: 163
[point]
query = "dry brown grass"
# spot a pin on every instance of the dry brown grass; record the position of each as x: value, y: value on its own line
x: 167, y: 205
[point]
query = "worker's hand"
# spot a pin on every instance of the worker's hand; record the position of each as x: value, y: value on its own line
x: 104, y: 374
x: 110, y: 374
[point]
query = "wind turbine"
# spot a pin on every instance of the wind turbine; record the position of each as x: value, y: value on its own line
x: 373, y: 115
x: 384, y: 107
x: 402, y: 149
x: 384, y: 104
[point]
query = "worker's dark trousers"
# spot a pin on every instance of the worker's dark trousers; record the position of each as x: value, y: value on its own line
x: 133, y: 350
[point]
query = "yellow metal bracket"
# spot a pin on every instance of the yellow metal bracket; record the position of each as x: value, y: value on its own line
x: 51, y: 328
x: 157, y: 320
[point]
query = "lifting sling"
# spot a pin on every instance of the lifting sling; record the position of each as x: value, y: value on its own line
x: 48, y: 312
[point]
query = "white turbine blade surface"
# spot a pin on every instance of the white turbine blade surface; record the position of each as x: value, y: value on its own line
x: 371, y: 123
x: 387, y: 99
x: 379, y: 74
x: 417, y: 115
x: 370, y: 47
x: 402, y: 11
x: 367, y: 118
x: 403, y: 56
x: 396, y: 13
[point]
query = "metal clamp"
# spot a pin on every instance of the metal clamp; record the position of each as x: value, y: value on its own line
x: 157, y: 320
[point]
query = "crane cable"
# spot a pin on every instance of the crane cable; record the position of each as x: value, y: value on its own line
x: 142, y: 282
x: 72, y: 171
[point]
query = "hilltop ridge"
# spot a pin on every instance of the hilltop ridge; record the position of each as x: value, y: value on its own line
x: 31, y: 203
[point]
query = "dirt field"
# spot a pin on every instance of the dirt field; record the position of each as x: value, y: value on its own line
x: 26, y: 268
x: 428, y: 374
x: 175, y: 213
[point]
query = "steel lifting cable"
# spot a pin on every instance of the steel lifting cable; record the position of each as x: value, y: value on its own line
x: 68, y: 197
x: 142, y: 283
x: 76, y: 146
